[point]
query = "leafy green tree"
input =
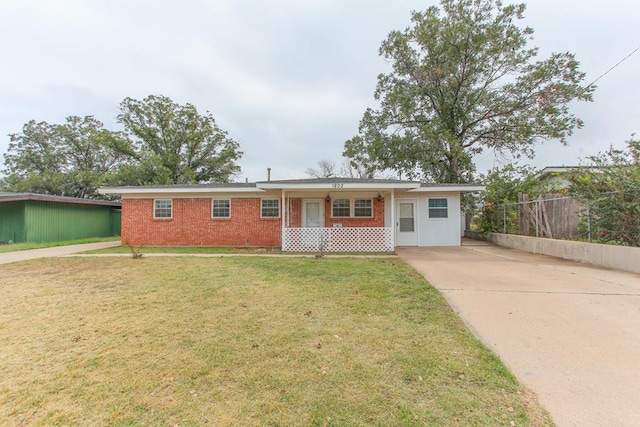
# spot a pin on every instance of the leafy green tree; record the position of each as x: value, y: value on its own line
x: 464, y: 80
x: 174, y: 144
x: 502, y: 188
x: 610, y: 188
x: 70, y: 159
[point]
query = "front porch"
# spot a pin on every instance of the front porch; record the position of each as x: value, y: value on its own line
x: 337, y: 219
x: 338, y: 239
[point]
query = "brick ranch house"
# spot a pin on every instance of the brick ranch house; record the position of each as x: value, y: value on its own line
x: 304, y: 215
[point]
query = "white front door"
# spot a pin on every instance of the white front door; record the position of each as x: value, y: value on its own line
x: 406, y: 226
x: 313, y: 213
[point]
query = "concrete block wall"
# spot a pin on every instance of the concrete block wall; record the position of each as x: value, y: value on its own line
x: 618, y: 257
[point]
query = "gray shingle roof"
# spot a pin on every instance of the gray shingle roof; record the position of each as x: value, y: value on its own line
x: 332, y: 180
x: 432, y: 184
x: 17, y: 197
x: 209, y: 185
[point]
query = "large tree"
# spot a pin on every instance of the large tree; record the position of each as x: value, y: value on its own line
x: 464, y: 80
x: 70, y: 159
x: 175, y: 144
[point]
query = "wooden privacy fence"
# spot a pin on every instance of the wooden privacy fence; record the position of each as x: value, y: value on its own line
x: 549, y: 215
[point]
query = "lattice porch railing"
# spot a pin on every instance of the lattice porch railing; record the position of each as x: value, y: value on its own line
x: 345, y: 239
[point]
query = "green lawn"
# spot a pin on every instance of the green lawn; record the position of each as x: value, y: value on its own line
x: 186, y: 250
x: 25, y: 246
x: 243, y: 341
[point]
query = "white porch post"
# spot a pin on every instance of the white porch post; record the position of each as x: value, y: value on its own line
x: 282, y: 214
x: 393, y: 218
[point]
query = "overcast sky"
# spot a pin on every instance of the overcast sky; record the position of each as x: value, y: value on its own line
x: 288, y: 79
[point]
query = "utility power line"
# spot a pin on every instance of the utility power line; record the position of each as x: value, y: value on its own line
x: 607, y: 72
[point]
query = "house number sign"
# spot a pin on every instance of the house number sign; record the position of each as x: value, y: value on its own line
x: 338, y: 185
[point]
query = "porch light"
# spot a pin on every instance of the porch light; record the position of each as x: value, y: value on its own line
x: 328, y: 198
x: 379, y: 199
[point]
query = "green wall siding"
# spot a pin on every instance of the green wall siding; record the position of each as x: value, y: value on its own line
x: 12, y: 222
x: 116, y: 221
x: 50, y: 221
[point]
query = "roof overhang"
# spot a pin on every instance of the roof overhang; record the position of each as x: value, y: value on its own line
x: 177, y: 190
x: 462, y: 188
x: 262, y: 187
x: 337, y: 186
x: 20, y: 197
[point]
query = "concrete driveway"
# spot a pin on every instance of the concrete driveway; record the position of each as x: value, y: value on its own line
x: 7, y: 257
x: 569, y: 331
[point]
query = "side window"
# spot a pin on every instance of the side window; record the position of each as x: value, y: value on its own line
x: 341, y: 208
x: 438, y: 208
x: 162, y: 208
x: 270, y: 208
x: 221, y: 208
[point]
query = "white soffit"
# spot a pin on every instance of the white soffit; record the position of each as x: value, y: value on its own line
x: 448, y: 189
x: 337, y: 186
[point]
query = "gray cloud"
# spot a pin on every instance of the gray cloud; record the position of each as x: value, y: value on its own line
x: 288, y: 79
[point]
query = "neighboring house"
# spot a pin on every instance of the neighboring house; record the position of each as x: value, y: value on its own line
x: 34, y: 218
x: 558, y: 178
x: 330, y: 214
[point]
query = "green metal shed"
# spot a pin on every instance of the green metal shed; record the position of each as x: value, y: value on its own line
x: 34, y: 218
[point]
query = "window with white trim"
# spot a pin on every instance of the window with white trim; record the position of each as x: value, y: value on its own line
x: 340, y: 208
x: 438, y: 208
x: 221, y: 208
x: 270, y: 208
x: 351, y: 208
x: 162, y: 208
x: 363, y: 208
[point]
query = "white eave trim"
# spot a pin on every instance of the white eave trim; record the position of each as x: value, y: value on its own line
x: 333, y: 186
x: 177, y: 190
x: 449, y: 188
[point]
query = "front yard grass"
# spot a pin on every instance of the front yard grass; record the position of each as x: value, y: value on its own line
x: 242, y: 341
x: 186, y: 250
x: 26, y: 246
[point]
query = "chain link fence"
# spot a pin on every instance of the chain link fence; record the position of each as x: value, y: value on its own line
x: 552, y: 215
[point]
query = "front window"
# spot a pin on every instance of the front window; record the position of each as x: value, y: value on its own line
x: 438, y: 208
x: 345, y: 208
x: 221, y: 208
x: 363, y: 207
x: 162, y: 208
x: 341, y: 208
x: 270, y: 208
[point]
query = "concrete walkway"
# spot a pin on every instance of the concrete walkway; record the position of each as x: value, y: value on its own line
x: 16, y: 256
x: 569, y: 331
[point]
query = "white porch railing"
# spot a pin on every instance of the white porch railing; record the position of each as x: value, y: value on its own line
x: 344, y: 239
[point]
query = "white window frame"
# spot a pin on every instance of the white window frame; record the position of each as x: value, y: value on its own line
x: 353, y: 203
x: 219, y: 199
x: 352, y: 207
x: 155, y: 208
x: 262, y: 208
x: 341, y: 216
x: 437, y: 218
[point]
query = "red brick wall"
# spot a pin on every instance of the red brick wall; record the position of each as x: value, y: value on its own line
x: 192, y: 224
x: 295, y: 215
x: 376, y: 221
